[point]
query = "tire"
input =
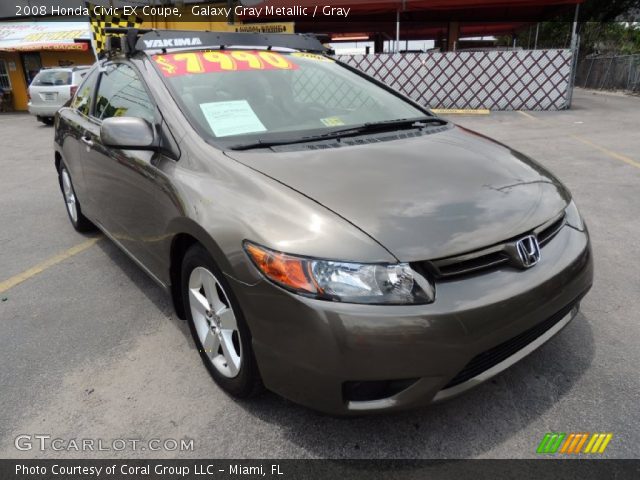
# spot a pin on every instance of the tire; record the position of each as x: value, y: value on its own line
x: 46, y: 120
x: 217, y: 325
x: 74, y: 211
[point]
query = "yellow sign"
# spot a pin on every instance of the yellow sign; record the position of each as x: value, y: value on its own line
x: 59, y: 35
x: 219, y: 61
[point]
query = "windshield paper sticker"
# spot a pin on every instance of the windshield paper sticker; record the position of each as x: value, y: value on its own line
x: 176, y: 64
x: 231, y: 118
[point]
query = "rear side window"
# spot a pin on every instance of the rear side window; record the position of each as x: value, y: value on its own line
x: 82, y: 100
x: 122, y: 94
x: 52, y: 78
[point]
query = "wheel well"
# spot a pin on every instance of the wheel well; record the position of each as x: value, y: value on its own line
x: 181, y: 243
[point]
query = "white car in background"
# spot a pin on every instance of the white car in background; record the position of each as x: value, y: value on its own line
x: 51, y: 88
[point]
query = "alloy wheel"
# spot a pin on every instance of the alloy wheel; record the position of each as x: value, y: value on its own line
x: 69, y: 195
x: 215, y: 322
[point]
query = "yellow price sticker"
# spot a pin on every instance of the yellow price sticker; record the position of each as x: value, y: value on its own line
x: 332, y: 121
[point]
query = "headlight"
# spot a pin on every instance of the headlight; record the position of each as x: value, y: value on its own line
x: 394, y: 284
x: 573, y: 217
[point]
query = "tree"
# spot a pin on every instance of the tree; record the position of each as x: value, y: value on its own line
x: 609, y: 38
x: 608, y: 10
x: 605, y: 27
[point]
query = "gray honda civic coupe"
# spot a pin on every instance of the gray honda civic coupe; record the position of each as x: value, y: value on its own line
x: 324, y: 236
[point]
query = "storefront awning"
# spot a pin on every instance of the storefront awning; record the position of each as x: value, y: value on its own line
x: 30, y: 36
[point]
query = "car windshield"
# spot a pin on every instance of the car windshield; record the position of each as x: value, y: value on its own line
x: 48, y: 78
x: 242, y: 96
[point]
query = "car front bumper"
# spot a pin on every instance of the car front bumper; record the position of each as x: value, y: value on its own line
x: 313, y: 351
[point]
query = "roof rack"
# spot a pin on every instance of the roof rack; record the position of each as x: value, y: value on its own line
x: 137, y: 40
x: 122, y: 39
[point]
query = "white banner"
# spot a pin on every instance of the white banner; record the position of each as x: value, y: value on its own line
x: 26, y: 36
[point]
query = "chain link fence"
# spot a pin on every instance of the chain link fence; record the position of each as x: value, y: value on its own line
x: 617, y: 72
x: 494, y: 79
x: 311, y: 85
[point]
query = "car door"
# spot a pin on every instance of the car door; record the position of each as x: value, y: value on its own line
x: 123, y: 184
x: 74, y: 121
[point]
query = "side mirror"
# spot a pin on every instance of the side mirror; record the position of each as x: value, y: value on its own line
x: 128, y: 133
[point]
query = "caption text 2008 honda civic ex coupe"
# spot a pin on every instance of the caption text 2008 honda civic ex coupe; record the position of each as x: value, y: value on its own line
x: 323, y: 235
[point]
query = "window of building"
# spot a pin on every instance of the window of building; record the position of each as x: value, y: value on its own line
x: 5, y: 81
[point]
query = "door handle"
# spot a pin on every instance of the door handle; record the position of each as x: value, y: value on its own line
x: 87, y: 141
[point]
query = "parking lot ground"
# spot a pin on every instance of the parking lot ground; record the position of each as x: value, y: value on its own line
x: 90, y: 347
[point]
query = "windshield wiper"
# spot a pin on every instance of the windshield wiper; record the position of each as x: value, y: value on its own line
x: 385, y: 125
x: 266, y: 144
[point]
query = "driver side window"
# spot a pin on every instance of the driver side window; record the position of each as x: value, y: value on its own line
x: 121, y: 93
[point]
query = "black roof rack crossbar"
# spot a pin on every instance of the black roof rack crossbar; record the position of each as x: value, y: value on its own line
x: 169, y: 39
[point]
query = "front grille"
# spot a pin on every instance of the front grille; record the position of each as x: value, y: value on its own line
x: 488, y: 258
x: 471, y: 265
x: 548, y: 232
x: 485, y: 360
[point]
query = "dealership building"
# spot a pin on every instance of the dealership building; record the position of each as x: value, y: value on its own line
x: 463, y: 72
x: 30, y: 42
x: 26, y: 47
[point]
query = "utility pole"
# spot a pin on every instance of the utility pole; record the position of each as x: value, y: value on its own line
x: 574, y: 55
x: 574, y: 29
x: 397, y: 43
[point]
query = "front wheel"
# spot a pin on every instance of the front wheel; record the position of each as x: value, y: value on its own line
x: 78, y: 220
x: 218, y: 326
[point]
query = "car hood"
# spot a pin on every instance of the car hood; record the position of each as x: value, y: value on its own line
x: 424, y: 197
